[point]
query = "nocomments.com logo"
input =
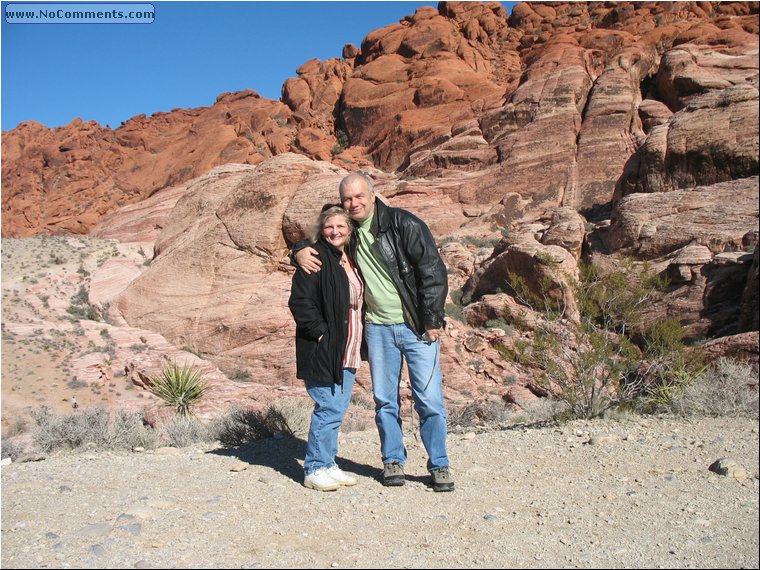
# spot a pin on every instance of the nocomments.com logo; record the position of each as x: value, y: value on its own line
x: 79, y: 13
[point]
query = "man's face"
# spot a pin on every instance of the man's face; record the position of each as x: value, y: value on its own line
x: 358, y: 201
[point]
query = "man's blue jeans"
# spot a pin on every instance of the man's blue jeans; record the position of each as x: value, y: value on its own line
x: 330, y: 405
x: 387, y: 346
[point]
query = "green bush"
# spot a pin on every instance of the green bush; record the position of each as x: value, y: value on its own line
x: 455, y: 312
x: 454, y: 309
x: 603, y: 359
x: 342, y: 141
x: 181, y: 388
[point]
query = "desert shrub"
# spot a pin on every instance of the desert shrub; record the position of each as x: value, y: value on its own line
x: 455, y: 312
x: 80, y: 307
x: 362, y: 402
x: 726, y: 388
x: 19, y: 426
x: 665, y: 369
x: 291, y: 416
x: 240, y: 426
x: 12, y: 447
x: 468, y: 415
x: 342, y: 141
x: 541, y: 410
x: 181, y: 388
x: 183, y: 431
x: 75, y: 384
x: 496, y: 415
x: 355, y: 420
x: 454, y: 309
x: 241, y: 376
x: 92, y: 427
x: 594, y: 363
x: 500, y: 324
x: 553, y: 307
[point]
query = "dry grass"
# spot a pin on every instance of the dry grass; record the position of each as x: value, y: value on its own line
x: 728, y: 388
x: 91, y: 428
x: 497, y: 415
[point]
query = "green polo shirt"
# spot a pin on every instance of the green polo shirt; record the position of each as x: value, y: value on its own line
x: 380, y: 293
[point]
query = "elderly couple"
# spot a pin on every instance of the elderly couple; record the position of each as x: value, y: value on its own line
x: 370, y: 271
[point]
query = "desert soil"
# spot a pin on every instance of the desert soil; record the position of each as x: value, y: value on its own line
x: 46, y: 352
x: 631, y: 492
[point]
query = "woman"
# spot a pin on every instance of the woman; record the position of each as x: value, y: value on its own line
x: 327, y: 308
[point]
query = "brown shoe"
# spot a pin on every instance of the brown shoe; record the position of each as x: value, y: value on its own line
x: 393, y: 474
x: 442, y: 480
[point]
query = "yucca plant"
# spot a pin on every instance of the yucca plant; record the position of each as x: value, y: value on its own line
x: 179, y: 387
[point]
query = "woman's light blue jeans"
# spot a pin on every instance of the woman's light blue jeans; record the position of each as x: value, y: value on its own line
x: 330, y: 405
x: 387, y: 346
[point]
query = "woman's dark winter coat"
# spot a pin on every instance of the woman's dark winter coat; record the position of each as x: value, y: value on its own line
x: 319, y: 303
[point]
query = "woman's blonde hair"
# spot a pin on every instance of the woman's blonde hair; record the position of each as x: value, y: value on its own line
x: 328, y: 211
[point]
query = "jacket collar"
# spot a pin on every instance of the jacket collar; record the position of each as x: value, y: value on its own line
x: 381, y: 219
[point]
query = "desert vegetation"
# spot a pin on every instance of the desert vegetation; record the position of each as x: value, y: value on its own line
x: 726, y: 388
x: 605, y: 355
x: 179, y: 388
x: 56, y: 343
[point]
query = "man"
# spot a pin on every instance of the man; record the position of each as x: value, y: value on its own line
x: 406, y: 287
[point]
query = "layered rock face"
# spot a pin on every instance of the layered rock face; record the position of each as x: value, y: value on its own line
x: 577, y: 130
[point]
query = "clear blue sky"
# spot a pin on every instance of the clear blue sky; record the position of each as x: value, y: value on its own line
x: 192, y: 52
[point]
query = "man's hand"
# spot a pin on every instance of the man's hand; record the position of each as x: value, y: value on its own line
x: 432, y: 335
x: 308, y: 260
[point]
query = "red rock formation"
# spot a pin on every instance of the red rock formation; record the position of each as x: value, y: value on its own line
x: 63, y: 180
x: 548, y: 94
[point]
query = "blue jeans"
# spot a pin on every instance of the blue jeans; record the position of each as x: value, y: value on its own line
x: 387, y: 346
x: 330, y: 405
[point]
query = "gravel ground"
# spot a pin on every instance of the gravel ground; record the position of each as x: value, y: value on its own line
x: 627, y: 493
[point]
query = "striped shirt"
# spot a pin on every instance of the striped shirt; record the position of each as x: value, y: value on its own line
x: 352, y: 355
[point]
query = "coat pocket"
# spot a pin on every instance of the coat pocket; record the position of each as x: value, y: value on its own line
x: 321, y: 361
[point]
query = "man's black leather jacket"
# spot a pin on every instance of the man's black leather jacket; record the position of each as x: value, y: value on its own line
x: 406, y: 245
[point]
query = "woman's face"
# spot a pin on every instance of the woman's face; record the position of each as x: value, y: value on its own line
x: 336, y: 231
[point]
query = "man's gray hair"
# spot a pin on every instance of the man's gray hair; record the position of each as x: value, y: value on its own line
x: 351, y: 178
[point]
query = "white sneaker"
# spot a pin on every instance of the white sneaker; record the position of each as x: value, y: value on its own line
x: 341, y: 477
x: 320, y: 480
